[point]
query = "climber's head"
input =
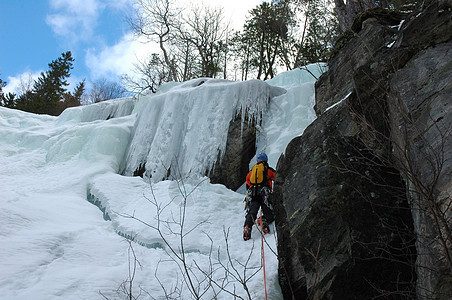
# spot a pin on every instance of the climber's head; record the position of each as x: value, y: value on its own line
x: 262, y: 157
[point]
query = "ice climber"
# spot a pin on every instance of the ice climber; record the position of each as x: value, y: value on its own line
x: 259, y: 183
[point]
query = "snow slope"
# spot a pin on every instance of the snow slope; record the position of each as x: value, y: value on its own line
x: 56, y: 172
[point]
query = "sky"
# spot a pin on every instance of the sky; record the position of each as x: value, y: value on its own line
x: 33, y: 33
x: 65, y: 209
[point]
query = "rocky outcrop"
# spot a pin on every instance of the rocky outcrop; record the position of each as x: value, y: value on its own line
x: 421, y: 123
x: 240, y: 149
x: 334, y: 196
x: 363, y: 197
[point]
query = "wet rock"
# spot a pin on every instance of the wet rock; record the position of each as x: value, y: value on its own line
x: 231, y: 170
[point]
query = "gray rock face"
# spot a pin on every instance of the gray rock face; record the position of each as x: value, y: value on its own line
x: 240, y: 149
x: 333, y: 194
x: 421, y: 131
x: 363, y: 197
x: 355, y: 52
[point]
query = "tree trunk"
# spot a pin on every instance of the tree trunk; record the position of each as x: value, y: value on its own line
x: 173, y: 72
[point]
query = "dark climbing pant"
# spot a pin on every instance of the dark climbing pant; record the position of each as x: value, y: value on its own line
x: 253, y: 208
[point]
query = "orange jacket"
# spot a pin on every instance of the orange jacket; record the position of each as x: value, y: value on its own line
x: 271, y: 173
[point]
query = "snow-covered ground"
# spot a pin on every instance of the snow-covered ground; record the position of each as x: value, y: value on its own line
x: 65, y: 211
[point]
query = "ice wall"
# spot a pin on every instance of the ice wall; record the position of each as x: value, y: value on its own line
x: 182, y: 131
x: 99, y: 111
x: 57, y: 242
x: 299, y: 76
x: 57, y: 140
x: 289, y: 114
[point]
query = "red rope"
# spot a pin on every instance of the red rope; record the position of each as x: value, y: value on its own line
x: 263, y: 258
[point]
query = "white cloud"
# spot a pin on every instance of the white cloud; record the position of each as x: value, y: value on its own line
x: 117, y: 59
x: 77, y: 19
x: 21, y: 83
x: 74, y: 19
x: 234, y: 11
x: 119, y: 4
x: 24, y: 82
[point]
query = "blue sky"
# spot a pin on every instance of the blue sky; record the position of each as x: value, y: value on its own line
x: 35, y: 32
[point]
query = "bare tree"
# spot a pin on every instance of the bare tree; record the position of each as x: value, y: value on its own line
x: 156, y: 20
x: 103, y: 89
x: 219, y: 274
x: 153, y: 73
x: 207, y: 32
x: 240, y: 47
x: 187, y: 56
x: 191, y: 46
x: 421, y: 159
x: 26, y: 82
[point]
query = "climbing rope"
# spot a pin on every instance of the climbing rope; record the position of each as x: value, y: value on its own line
x: 263, y: 258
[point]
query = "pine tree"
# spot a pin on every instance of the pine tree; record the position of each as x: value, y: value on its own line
x: 75, y: 98
x: 321, y: 32
x: 2, y: 85
x: 6, y: 100
x: 50, y: 87
x: 264, y: 33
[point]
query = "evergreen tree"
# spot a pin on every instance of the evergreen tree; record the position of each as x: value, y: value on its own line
x: 49, y: 89
x: 2, y: 85
x: 75, y: 98
x: 9, y: 100
x: 265, y: 32
x: 78, y: 93
x: 6, y: 100
x: 25, y: 102
x: 321, y: 32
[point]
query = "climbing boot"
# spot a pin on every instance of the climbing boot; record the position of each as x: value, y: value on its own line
x: 263, y: 224
x: 259, y: 222
x: 246, y: 233
x: 265, y: 227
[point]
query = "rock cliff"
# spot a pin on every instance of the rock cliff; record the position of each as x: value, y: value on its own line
x: 363, y: 197
x: 240, y: 149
